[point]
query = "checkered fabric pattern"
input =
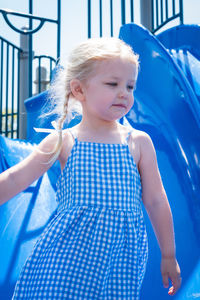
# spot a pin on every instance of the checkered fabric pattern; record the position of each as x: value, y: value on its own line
x: 96, y: 246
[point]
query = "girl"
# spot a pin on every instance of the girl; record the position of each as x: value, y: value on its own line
x: 96, y: 246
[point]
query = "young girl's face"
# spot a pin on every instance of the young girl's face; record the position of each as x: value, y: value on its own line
x: 108, y: 93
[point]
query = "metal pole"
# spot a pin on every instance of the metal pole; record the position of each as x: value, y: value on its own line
x: 89, y: 18
x: 30, y: 49
x: 123, y: 12
x: 100, y: 19
x: 146, y: 15
x: 111, y: 17
x: 24, y: 82
x: 181, y: 11
x: 132, y: 10
x: 41, y: 81
x: 59, y: 28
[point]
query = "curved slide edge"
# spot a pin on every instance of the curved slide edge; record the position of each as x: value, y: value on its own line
x: 168, y: 110
x: 183, y: 43
x: 182, y: 37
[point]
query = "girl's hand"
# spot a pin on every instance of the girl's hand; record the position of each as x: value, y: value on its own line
x: 171, y: 270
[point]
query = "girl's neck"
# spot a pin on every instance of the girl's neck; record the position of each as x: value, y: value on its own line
x: 108, y: 132
x: 98, y: 126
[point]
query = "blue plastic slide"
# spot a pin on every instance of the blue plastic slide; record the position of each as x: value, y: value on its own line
x: 23, y: 218
x: 167, y: 107
x: 183, y: 43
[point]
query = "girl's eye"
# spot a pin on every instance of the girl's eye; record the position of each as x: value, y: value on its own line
x: 111, y: 83
x: 130, y: 87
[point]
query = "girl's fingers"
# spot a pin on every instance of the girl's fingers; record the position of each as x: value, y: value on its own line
x: 171, y: 291
x: 171, y: 270
x: 165, y: 280
x: 176, y: 283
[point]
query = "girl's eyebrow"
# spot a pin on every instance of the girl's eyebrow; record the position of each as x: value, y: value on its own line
x: 132, y: 81
x: 119, y: 78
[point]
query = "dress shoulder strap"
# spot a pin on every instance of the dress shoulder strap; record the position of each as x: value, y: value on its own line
x: 73, y: 134
x: 128, y: 136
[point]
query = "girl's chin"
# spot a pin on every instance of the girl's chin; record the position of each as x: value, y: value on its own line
x: 115, y: 117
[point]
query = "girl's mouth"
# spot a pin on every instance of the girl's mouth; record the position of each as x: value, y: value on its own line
x: 120, y: 105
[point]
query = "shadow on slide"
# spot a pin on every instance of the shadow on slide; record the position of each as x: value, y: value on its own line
x: 167, y: 108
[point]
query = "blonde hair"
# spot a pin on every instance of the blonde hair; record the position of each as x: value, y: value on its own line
x: 80, y: 65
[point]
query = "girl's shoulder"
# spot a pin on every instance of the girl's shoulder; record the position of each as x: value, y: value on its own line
x: 145, y: 149
x: 135, y: 135
x: 143, y: 140
x: 67, y: 144
x: 140, y: 144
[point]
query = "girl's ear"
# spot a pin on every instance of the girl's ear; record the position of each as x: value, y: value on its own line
x: 77, y: 89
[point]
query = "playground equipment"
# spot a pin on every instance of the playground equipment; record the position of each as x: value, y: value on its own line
x: 167, y: 107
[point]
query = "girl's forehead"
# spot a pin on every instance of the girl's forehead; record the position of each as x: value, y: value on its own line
x: 114, y: 62
x: 115, y: 65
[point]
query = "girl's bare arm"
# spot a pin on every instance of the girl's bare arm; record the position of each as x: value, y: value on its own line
x: 158, y: 209
x: 19, y: 177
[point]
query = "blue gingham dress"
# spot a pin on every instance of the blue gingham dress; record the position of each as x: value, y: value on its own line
x: 96, y: 246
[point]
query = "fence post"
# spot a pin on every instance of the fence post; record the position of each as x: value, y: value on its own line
x: 41, y: 81
x: 23, y: 82
x: 146, y: 14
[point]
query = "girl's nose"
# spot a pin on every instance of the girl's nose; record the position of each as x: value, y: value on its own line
x: 123, y: 93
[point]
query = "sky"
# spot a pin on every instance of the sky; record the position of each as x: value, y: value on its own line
x: 74, y: 21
